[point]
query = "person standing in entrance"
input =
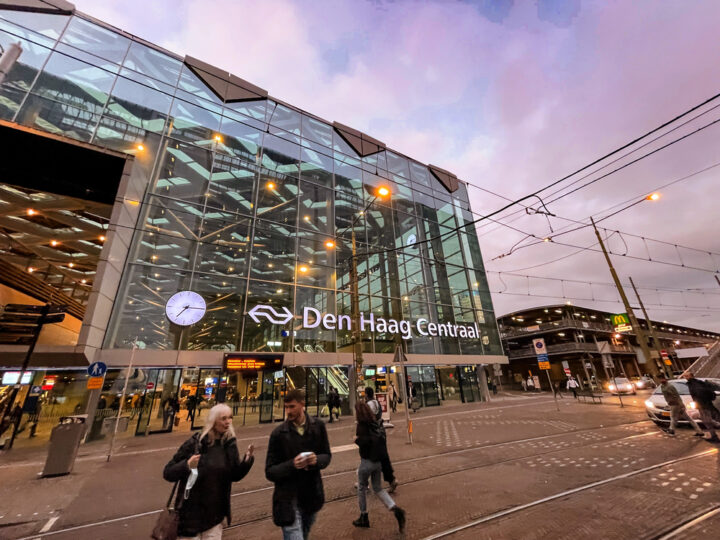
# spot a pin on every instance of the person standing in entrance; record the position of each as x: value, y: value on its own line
x: 572, y: 385
x: 530, y: 384
x: 298, y: 450
x: 677, y: 408
x: 369, y: 439
x: 703, y: 394
x: 191, y: 403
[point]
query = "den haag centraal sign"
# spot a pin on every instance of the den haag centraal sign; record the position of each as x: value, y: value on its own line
x: 313, y: 318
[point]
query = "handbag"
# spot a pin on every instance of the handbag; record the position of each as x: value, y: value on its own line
x: 166, y: 526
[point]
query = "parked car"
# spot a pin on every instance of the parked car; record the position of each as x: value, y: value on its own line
x: 621, y: 385
x: 658, y: 410
x: 642, y: 383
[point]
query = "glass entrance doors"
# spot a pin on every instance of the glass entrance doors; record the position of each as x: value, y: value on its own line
x: 155, y: 411
x: 469, y: 389
x: 424, y: 384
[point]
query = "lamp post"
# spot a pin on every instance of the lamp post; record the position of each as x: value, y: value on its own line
x: 357, y: 364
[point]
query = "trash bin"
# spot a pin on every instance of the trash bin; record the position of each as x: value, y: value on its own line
x: 64, y: 442
x: 108, y: 424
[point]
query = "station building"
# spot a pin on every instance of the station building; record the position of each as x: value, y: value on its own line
x: 130, y: 174
x: 575, y: 336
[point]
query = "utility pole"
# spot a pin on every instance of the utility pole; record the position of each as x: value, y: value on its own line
x: 8, y: 59
x: 357, y: 334
x: 656, y: 342
x: 639, y: 332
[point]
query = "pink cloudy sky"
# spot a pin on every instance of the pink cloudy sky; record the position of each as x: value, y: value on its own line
x: 510, y: 96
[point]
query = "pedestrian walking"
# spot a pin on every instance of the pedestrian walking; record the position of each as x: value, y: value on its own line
x: 372, y: 448
x: 572, y: 385
x: 204, y: 468
x: 387, y: 468
x: 677, y: 407
x: 530, y: 384
x: 334, y: 403
x: 703, y: 394
x: 556, y: 389
x: 392, y: 397
x: 298, y: 450
x: 191, y: 404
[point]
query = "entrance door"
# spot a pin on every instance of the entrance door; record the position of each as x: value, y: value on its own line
x: 270, y: 400
x: 468, y: 383
x: 425, y: 384
x: 154, y: 415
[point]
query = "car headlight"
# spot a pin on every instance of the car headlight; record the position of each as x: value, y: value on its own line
x: 611, y: 387
x: 692, y: 405
x: 649, y: 404
x: 628, y: 387
x: 640, y: 384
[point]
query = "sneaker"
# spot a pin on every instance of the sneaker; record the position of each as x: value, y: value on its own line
x: 393, y: 486
x: 400, y: 516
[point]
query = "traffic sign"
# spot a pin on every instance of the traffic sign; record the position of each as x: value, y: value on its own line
x: 150, y: 385
x: 543, y: 365
x: 539, y: 346
x: 665, y: 357
x: 567, y: 371
x: 95, y: 383
x: 97, y: 369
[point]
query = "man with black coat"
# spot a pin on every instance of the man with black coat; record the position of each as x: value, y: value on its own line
x: 703, y: 394
x: 298, y: 450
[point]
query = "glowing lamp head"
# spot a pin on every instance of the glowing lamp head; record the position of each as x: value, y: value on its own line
x: 303, y: 269
x: 218, y: 138
x: 329, y: 244
x: 653, y: 197
x: 54, y: 243
x: 617, y: 336
x: 270, y: 185
x: 101, y: 238
x: 140, y: 147
x: 31, y: 212
x: 382, y: 191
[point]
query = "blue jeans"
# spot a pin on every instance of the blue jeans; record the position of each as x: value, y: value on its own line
x: 370, y: 470
x: 300, y: 529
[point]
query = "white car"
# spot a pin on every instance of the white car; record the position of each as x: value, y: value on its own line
x: 621, y: 385
x: 659, y: 411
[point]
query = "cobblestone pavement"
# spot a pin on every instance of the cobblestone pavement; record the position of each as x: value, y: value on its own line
x: 508, y: 469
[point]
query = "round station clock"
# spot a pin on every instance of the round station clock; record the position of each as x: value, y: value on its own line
x: 185, y: 308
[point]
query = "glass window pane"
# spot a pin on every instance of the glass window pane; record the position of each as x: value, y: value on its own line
x: 398, y: 165
x: 153, y: 63
x: 265, y: 336
x: 278, y: 199
x: 316, y: 167
x: 317, y: 131
x: 273, y: 252
x: 240, y: 139
x: 224, y: 244
x: 232, y: 185
x: 348, y: 179
x: 184, y: 172
x: 43, y: 23
x: 280, y: 155
x: 139, y: 105
x: 285, y: 119
x: 319, y: 339
x: 96, y: 40
x: 316, y: 208
x: 221, y: 327
x: 419, y: 174
x: 248, y: 112
x: 58, y: 118
x: 18, y: 80
x: 159, y: 249
x: 193, y: 123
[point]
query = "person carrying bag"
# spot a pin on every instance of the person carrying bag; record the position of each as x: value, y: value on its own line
x: 203, y: 468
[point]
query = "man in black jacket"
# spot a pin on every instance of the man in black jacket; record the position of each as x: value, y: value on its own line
x: 298, y: 450
x: 703, y: 394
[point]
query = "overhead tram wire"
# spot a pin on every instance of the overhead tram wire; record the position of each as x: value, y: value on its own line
x: 620, y: 149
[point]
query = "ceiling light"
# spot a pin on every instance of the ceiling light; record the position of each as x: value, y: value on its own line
x: 101, y: 238
x: 54, y: 243
x: 31, y: 212
x: 71, y: 265
x: 140, y: 147
x: 218, y: 138
x: 31, y: 269
x: 303, y: 269
x: 83, y: 281
x: 270, y: 185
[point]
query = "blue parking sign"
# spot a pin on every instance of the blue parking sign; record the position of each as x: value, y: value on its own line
x: 97, y: 369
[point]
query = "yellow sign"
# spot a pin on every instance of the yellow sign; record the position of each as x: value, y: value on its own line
x: 544, y: 365
x: 621, y: 322
x: 94, y: 383
x: 667, y: 362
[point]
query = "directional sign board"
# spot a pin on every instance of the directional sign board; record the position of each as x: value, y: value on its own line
x: 95, y: 383
x: 621, y: 322
x: 97, y: 369
x: 665, y: 357
x: 252, y: 363
x: 541, y: 353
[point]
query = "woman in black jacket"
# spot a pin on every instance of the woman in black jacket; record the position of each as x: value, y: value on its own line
x: 205, y: 466
x: 370, y: 439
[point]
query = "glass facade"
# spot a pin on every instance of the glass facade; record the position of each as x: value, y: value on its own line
x: 243, y: 198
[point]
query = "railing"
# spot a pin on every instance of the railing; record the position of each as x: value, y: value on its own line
x: 708, y: 366
x: 570, y: 347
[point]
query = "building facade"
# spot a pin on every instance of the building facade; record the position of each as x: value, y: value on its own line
x: 586, y: 342
x: 137, y: 174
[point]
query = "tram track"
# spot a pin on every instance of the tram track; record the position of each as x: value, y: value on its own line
x: 688, y: 523
x: 353, y: 470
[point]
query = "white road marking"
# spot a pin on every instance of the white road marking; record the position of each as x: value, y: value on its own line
x: 49, y: 524
x: 344, y: 448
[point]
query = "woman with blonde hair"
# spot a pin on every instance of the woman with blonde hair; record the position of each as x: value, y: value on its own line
x: 205, y: 466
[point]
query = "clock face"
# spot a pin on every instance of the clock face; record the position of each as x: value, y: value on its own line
x: 185, y: 308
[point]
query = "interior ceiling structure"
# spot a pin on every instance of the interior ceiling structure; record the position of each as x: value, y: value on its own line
x: 55, y: 237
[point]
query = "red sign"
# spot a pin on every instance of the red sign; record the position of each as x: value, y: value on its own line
x: 150, y: 385
x: 49, y: 382
x: 567, y: 372
x: 664, y: 353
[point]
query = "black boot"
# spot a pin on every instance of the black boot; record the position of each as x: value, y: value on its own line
x: 362, y: 521
x: 400, y: 516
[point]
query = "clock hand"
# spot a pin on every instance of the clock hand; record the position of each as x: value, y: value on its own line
x: 183, y: 309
